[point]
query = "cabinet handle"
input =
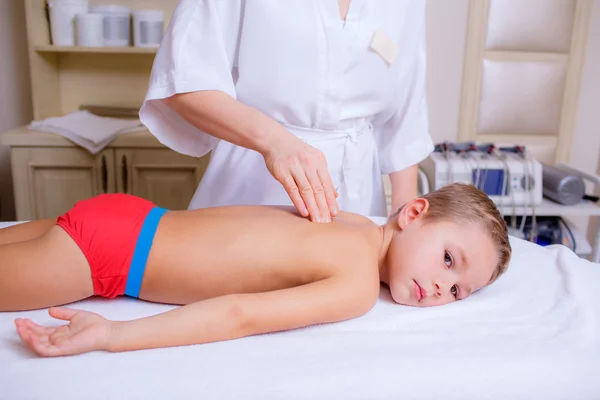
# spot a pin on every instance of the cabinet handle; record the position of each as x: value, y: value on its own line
x: 125, y: 173
x: 104, y: 175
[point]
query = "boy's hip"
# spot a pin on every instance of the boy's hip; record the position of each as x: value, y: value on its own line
x: 115, y: 233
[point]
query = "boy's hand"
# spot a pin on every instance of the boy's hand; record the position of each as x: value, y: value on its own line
x: 86, y: 332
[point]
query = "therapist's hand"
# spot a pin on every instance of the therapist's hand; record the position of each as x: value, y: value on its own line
x: 302, y: 170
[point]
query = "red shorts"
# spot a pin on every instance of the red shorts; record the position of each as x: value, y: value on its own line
x: 107, y: 229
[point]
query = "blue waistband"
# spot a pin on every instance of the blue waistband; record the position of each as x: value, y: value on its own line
x: 142, y: 249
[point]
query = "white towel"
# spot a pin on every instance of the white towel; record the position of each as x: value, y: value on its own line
x: 87, y: 130
x: 533, y: 334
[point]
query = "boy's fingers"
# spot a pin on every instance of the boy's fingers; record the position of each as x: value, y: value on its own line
x: 22, y: 332
x: 28, y: 338
x: 40, y: 330
x: 62, y: 313
x: 44, y: 348
x: 39, y: 344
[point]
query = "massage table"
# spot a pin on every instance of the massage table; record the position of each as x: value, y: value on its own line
x: 534, y: 334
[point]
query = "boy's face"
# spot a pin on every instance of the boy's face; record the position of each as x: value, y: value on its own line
x: 439, y: 262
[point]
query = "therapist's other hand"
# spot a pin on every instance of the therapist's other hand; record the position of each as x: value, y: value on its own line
x: 302, y: 170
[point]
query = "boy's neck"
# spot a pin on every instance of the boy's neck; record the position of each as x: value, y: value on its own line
x: 386, y: 233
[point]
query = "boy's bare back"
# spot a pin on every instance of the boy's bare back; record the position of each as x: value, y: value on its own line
x: 212, y: 252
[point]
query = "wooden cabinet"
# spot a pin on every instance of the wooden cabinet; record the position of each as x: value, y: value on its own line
x: 167, y: 178
x: 50, y: 174
x: 47, y: 182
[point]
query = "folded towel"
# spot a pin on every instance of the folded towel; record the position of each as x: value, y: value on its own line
x: 87, y: 130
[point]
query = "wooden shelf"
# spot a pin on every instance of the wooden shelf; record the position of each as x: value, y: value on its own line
x: 107, y: 50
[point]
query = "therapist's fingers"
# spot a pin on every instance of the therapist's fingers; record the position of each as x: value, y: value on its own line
x: 330, y: 192
x: 319, y: 186
x: 289, y: 183
x: 307, y: 193
x: 318, y: 189
x: 298, y: 167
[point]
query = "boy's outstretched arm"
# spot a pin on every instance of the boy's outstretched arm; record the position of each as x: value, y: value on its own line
x: 221, y: 318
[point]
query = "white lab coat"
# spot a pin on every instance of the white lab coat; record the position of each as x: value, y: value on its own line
x: 297, y: 62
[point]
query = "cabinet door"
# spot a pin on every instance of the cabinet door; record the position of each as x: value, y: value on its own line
x: 167, y: 178
x: 49, y: 181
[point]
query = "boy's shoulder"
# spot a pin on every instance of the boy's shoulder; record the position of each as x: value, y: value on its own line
x: 356, y: 243
x: 354, y: 218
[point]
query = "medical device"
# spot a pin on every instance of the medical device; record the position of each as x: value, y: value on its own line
x: 562, y: 186
x: 509, y: 176
x: 549, y: 230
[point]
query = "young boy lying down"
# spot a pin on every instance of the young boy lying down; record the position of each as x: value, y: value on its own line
x: 240, y: 271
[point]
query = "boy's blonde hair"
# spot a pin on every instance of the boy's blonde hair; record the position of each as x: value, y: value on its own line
x: 464, y: 203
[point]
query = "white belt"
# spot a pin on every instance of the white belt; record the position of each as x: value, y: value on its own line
x: 359, y: 145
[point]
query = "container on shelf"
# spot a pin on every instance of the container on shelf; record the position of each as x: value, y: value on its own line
x: 90, y: 30
x: 117, y: 24
x: 148, y: 27
x: 63, y: 14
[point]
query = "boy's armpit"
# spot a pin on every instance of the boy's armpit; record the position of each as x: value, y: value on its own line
x: 329, y: 300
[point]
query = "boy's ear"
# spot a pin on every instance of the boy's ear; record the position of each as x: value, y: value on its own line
x: 412, y: 211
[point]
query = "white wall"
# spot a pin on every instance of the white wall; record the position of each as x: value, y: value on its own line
x: 15, y: 92
x: 586, y: 142
x: 446, y: 36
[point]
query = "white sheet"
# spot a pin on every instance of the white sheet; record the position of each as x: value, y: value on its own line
x: 532, y: 335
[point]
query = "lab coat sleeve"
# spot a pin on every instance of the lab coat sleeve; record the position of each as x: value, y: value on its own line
x: 198, y: 52
x: 402, y: 134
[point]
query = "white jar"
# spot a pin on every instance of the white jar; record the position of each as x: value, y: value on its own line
x: 117, y: 24
x: 148, y: 27
x: 62, y: 20
x: 90, y: 30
